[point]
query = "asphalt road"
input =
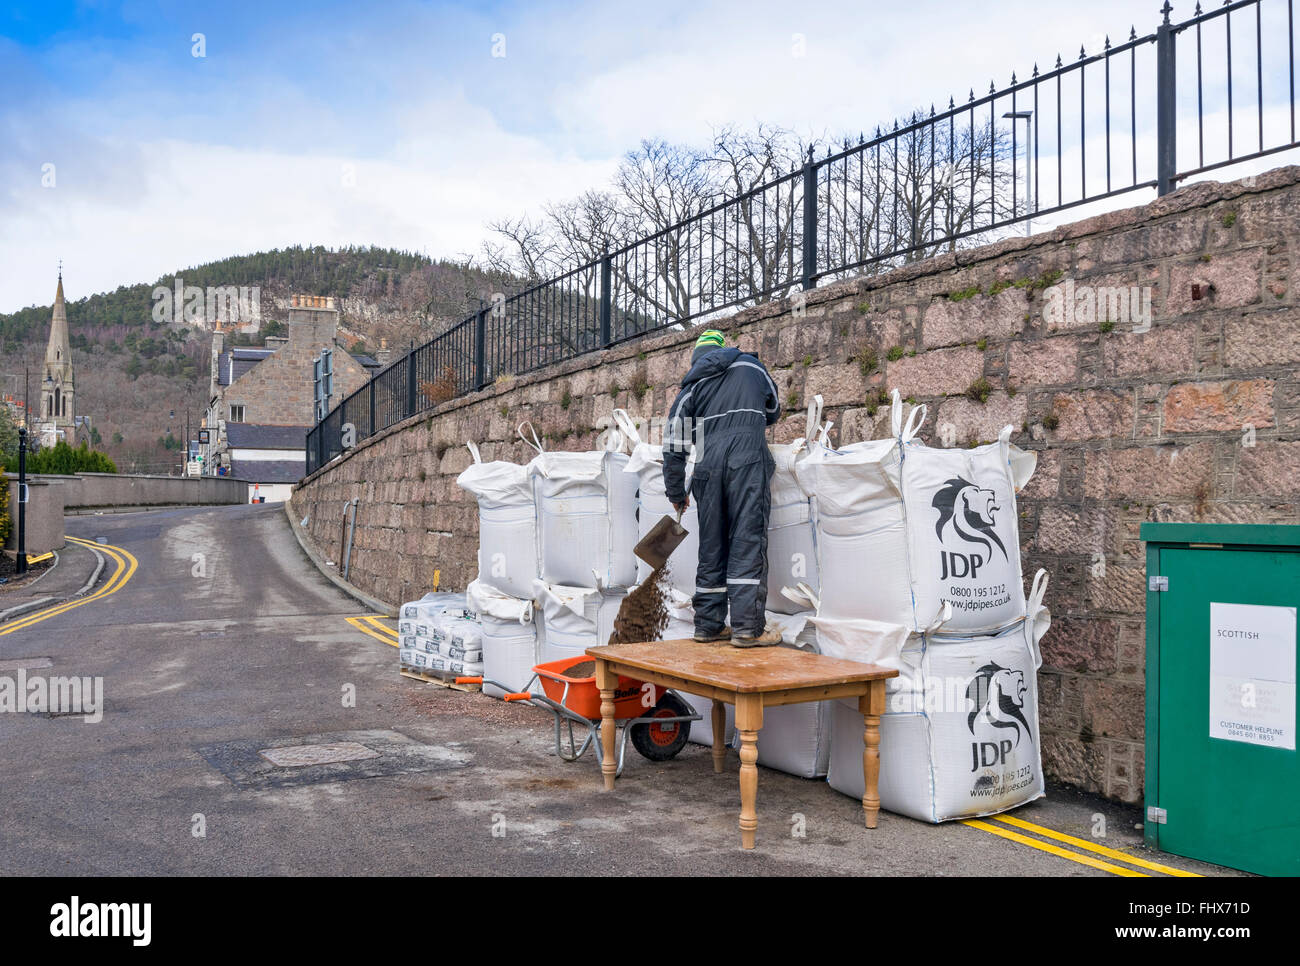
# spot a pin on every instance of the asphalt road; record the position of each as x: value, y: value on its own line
x: 209, y: 660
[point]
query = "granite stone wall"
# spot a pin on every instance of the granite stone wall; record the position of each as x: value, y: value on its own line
x: 1151, y: 356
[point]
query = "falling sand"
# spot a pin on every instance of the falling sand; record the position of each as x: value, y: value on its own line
x: 644, y: 613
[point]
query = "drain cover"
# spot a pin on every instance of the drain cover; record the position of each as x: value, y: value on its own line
x: 296, y: 756
x: 333, y: 757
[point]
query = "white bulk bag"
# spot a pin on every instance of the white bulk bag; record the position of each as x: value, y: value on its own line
x: 575, y: 618
x: 507, y: 523
x: 960, y: 735
x: 917, y: 523
x: 510, y: 648
x: 964, y: 530
x: 791, y: 537
x: 861, y: 535
x: 586, y: 511
x: 647, y: 464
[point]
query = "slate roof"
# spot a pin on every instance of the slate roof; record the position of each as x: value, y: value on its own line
x: 236, y: 361
x: 256, y: 436
x: 269, y: 471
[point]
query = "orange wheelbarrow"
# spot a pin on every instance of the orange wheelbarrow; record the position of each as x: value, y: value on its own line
x: 656, y: 718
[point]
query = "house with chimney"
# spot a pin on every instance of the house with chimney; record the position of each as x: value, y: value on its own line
x: 262, y: 398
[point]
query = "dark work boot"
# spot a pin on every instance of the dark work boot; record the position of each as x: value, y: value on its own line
x: 706, y: 638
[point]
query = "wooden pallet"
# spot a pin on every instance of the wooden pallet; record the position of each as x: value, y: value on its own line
x: 433, y: 677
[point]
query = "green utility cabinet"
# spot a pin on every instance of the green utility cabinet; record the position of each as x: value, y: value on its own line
x: 1222, y: 772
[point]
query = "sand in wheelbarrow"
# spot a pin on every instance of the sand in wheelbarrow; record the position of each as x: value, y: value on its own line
x: 586, y: 669
x: 644, y: 613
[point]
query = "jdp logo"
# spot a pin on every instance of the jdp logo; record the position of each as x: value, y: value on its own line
x: 997, y: 698
x: 967, y: 510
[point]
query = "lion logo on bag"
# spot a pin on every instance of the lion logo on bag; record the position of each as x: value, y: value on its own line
x: 970, y: 510
x: 997, y: 695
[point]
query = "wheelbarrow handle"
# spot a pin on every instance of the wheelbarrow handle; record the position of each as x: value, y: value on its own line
x: 517, y: 696
x: 474, y: 680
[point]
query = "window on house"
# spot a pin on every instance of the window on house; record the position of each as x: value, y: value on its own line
x: 236, y: 414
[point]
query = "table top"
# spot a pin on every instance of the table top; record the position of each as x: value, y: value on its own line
x: 745, y: 670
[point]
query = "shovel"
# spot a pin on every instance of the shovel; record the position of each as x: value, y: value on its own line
x: 658, y: 545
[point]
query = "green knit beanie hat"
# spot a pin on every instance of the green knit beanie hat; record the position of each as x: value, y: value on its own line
x: 709, y: 340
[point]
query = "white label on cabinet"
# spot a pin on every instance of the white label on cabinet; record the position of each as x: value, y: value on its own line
x: 1252, y: 674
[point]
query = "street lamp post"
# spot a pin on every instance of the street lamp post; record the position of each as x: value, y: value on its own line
x: 1030, y: 200
x: 22, y: 501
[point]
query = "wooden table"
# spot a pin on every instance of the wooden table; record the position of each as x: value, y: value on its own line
x: 751, y: 679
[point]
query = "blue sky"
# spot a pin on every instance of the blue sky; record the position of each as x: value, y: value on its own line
x: 394, y: 124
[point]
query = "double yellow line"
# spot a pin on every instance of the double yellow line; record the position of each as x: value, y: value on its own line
x: 370, y: 624
x: 1006, y: 824
x: 125, y: 569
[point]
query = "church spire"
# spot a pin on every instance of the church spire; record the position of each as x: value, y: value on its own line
x: 58, y: 392
x: 58, y: 352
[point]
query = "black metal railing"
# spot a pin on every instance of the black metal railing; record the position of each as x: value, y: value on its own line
x: 1080, y: 133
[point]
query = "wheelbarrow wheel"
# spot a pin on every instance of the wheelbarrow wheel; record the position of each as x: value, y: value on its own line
x: 660, y: 742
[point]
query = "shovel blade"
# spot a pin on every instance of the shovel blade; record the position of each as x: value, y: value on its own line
x: 659, y: 543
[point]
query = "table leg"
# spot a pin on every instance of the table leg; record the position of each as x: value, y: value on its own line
x: 719, y: 715
x: 607, y: 681
x: 872, y: 706
x: 749, y: 720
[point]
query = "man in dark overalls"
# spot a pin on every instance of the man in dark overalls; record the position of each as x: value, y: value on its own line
x: 726, y: 403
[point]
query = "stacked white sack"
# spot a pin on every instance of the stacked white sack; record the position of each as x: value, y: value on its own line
x: 959, y: 737
x: 791, y: 536
x: 574, y: 618
x: 586, y: 511
x: 647, y: 464
x: 507, y: 523
x: 510, y: 640
x: 923, y: 526
x: 440, y: 636
x: 420, y: 613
